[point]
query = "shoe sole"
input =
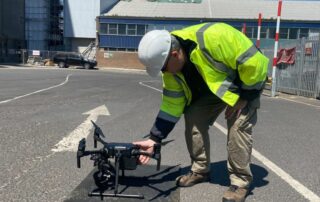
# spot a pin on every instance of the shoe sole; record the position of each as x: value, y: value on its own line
x: 230, y: 200
x: 190, y: 185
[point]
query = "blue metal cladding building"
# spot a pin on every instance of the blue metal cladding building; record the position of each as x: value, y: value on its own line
x: 133, y: 30
x: 122, y: 27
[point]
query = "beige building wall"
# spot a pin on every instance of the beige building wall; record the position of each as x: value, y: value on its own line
x: 127, y: 60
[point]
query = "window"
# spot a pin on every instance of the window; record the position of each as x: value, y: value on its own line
x: 103, y: 28
x: 238, y: 28
x: 131, y: 29
x: 272, y: 33
x: 263, y: 32
x: 293, y: 33
x: 255, y: 32
x: 131, y: 49
x: 283, y: 33
x: 249, y: 32
x: 141, y: 29
x: 74, y: 56
x: 122, y: 29
x: 304, y: 32
x: 113, y: 29
x: 112, y: 49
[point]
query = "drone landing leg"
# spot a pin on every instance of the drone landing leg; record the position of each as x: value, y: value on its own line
x: 115, y: 194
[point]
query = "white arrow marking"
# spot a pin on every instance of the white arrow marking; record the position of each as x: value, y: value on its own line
x: 70, y: 142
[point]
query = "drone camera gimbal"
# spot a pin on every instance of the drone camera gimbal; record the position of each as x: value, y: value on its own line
x: 125, y: 157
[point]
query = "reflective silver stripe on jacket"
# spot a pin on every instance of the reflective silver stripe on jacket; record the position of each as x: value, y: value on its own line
x: 165, y: 116
x: 182, y: 83
x: 246, y: 55
x: 226, y: 85
x: 173, y: 94
x: 231, y: 74
x: 218, y: 65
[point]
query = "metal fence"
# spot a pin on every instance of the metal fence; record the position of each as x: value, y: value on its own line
x: 302, y: 77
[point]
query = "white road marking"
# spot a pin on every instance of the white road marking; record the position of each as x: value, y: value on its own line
x: 70, y: 142
x: 292, y: 101
x: 141, y: 83
x: 35, y: 92
x: 300, y: 188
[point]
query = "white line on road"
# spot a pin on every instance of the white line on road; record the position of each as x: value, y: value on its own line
x: 70, y: 142
x: 35, y: 92
x: 300, y: 188
x: 141, y: 83
x: 295, y: 101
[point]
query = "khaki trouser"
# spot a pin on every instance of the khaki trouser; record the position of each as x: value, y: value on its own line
x: 199, y: 116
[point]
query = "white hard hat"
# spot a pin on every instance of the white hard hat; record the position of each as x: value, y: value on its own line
x: 153, y: 50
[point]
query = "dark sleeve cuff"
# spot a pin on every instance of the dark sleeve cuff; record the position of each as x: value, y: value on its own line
x: 250, y: 95
x: 155, y: 138
x: 160, y: 129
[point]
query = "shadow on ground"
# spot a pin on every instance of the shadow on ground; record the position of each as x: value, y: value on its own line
x: 145, y: 180
x: 219, y: 175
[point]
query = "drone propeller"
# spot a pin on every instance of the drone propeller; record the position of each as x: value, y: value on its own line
x: 97, y: 129
x: 81, y: 151
x: 147, y: 135
x: 96, y: 135
x: 162, y: 143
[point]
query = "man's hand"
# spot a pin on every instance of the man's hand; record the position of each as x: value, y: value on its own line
x: 147, y: 146
x: 236, y: 109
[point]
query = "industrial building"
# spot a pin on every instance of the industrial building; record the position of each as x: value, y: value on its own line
x: 80, y: 22
x: 34, y: 25
x: 12, y: 36
x: 121, y: 28
x: 43, y: 21
x: 129, y: 19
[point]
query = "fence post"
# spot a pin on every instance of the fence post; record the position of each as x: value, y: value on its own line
x: 302, y: 58
x: 276, y: 40
x: 317, y: 88
x: 22, y: 56
x: 300, y: 65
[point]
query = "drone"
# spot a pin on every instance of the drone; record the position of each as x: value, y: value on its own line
x: 125, y: 157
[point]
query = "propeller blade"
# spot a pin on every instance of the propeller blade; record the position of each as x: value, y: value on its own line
x: 166, y: 142
x: 148, y: 135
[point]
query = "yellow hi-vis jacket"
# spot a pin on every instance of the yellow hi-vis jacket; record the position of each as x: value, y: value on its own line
x: 220, y: 54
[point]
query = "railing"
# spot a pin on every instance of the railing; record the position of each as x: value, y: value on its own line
x: 302, y: 77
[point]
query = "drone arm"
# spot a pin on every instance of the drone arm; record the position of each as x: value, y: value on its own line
x: 96, y: 138
x: 82, y: 151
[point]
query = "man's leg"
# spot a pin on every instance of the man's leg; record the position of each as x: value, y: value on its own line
x: 239, y: 146
x: 198, y: 117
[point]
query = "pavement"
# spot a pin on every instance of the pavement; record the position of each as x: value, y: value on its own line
x: 266, y: 92
x: 293, y: 98
x: 40, y: 107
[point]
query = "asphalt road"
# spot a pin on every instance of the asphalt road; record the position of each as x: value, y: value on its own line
x: 39, y: 107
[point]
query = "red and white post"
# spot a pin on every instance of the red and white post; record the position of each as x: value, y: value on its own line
x: 274, y: 66
x: 259, y: 31
x: 244, y: 28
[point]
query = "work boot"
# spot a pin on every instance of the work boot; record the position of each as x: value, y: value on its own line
x: 192, y: 178
x: 235, y: 194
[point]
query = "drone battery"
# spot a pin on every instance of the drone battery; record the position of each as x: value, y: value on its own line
x: 128, y: 163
